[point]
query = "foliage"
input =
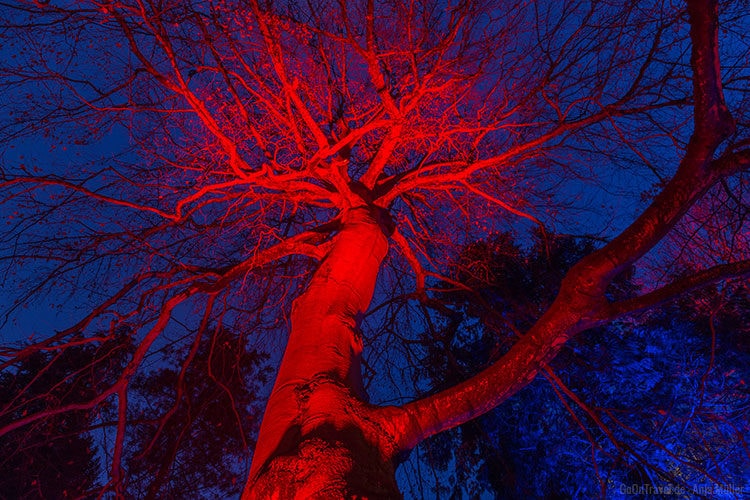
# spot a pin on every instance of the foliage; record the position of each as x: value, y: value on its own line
x: 195, y: 441
x: 196, y: 422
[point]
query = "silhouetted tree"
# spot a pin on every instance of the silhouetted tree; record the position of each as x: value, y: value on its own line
x: 195, y: 441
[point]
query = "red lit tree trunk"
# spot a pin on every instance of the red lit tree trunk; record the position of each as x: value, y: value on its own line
x: 318, y: 438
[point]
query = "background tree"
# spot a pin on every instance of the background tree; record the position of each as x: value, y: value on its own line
x: 214, y: 162
x: 656, y: 399
x: 56, y: 456
x: 194, y: 441
x: 191, y: 441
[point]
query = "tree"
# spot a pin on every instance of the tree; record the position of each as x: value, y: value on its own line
x: 194, y: 441
x: 55, y: 456
x: 656, y: 400
x: 240, y: 162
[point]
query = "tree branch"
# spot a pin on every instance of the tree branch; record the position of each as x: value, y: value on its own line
x: 581, y: 299
x: 661, y: 295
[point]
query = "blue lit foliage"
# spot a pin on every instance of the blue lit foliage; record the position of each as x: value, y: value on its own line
x: 653, y: 401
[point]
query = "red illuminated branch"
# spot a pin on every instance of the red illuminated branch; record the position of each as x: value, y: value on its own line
x: 179, y: 207
x: 713, y: 121
x: 225, y: 73
x: 290, y: 87
x: 261, y: 179
x: 55, y: 411
x: 180, y: 87
x: 384, y: 153
x: 122, y: 381
x: 49, y: 181
x: 299, y: 244
x: 562, y: 390
x: 408, y: 253
x: 117, y: 473
x: 50, y: 342
x: 663, y: 294
x: 506, y: 206
x: 180, y: 391
x: 270, y: 105
x: 373, y: 63
x: 309, y: 243
x: 731, y: 163
x: 425, y: 176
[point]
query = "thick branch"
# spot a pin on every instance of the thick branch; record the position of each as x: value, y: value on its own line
x: 308, y: 243
x: 581, y: 297
x: 668, y: 292
x: 712, y: 118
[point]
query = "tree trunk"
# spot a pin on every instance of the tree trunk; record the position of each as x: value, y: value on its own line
x: 319, y: 438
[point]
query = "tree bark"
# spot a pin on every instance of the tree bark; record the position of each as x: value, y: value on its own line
x: 318, y: 438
